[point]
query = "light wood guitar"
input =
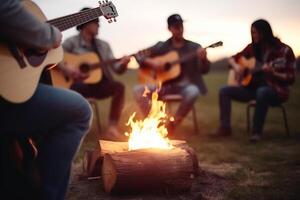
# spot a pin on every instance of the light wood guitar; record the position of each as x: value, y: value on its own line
x: 87, y: 63
x: 19, y: 78
x: 171, y: 67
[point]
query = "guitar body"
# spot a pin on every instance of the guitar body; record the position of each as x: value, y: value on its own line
x: 18, y: 84
x: 77, y: 61
x: 148, y: 75
x: 244, y: 79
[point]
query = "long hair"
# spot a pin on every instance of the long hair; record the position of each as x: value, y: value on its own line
x: 266, y: 37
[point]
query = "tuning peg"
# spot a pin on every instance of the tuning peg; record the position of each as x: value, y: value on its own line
x: 110, y: 21
x: 115, y: 20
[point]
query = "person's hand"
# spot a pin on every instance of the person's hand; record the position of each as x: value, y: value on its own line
x: 202, y: 53
x: 268, y: 69
x: 58, y: 37
x: 125, y: 60
x: 73, y: 72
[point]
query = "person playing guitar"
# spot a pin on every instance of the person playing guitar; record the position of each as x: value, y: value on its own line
x: 86, y: 42
x: 58, y: 118
x: 189, y: 84
x: 272, y: 75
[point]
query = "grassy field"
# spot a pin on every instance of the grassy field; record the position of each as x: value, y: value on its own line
x: 267, y: 170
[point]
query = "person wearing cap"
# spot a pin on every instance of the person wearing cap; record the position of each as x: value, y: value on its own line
x: 87, y: 41
x: 189, y: 84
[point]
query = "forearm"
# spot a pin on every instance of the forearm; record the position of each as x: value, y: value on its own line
x: 21, y: 27
x: 119, y: 68
x: 284, y: 77
x: 204, y: 65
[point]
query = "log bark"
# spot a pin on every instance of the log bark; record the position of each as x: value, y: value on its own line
x: 147, y: 170
x: 92, y: 164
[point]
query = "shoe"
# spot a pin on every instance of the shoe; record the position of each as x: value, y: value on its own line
x: 255, y: 138
x: 222, y: 132
x: 113, y: 134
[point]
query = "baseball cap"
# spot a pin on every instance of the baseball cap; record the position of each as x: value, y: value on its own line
x: 174, y: 19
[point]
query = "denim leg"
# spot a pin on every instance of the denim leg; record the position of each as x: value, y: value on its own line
x: 265, y: 96
x: 60, y: 118
x: 189, y: 95
x: 228, y: 93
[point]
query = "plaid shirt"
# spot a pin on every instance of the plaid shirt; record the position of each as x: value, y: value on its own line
x: 283, y: 52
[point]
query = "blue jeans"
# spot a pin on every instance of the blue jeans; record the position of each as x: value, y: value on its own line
x: 59, y: 118
x: 189, y: 93
x: 264, y: 96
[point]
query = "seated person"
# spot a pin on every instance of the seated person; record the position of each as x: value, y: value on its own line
x: 84, y: 42
x: 58, y: 118
x: 269, y: 86
x: 189, y: 84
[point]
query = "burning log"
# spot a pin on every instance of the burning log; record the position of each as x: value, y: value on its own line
x: 111, y: 147
x: 92, y: 160
x: 148, y: 169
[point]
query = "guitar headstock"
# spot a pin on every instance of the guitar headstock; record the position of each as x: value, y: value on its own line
x: 108, y: 10
x: 217, y: 44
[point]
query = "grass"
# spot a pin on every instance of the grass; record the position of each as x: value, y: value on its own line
x: 267, y: 170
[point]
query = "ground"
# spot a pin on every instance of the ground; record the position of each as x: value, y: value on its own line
x: 231, y: 168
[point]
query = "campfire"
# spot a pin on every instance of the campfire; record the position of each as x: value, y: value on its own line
x: 150, y: 132
x: 148, y: 161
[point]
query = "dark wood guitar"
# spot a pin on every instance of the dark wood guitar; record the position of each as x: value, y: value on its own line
x: 171, y: 69
x: 19, y: 78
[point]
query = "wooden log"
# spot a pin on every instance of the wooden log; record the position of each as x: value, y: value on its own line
x: 111, y: 147
x: 92, y: 164
x: 147, y: 170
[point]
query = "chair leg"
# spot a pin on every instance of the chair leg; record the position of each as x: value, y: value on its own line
x: 97, y: 116
x: 285, y: 120
x: 195, y: 120
x: 248, y: 119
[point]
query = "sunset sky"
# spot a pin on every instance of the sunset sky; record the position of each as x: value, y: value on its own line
x: 141, y: 23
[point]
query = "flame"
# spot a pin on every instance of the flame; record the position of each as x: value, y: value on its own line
x: 150, y: 132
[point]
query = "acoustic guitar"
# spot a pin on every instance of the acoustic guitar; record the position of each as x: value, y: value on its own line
x: 171, y: 66
x: 248, y: 69
x: 19, y: 77
x: 87, y: 63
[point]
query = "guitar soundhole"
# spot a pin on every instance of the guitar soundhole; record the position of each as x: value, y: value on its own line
x: 84, y: 68
x: 167, y: 66
x: 34, y: 58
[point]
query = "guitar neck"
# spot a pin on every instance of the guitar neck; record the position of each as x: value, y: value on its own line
x: 193, y: 54
x: 69, y: 21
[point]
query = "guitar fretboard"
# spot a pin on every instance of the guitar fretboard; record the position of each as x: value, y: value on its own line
x: 192, y: 54
x: 69, y: 21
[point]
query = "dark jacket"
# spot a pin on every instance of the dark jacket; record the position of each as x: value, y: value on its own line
x: 191, y: 70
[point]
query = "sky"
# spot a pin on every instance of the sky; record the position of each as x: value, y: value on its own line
x: 142, y: 23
